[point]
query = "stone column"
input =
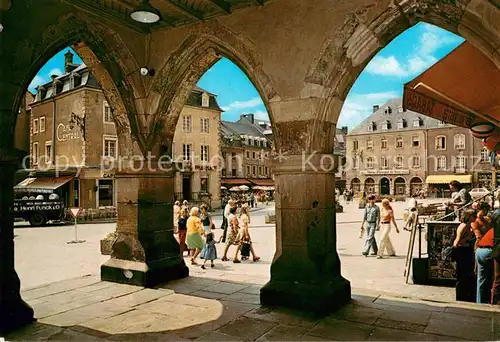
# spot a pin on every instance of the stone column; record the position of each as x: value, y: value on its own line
x: 145, y: 251
x: 305, y: 273
x: 14, y: 312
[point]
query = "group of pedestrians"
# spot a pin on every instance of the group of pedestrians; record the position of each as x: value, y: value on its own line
x: 195, y: 229
x: 375, y: 219
x: 477, y: 256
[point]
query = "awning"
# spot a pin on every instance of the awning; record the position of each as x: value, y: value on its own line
x: 461, y: 88
x: 262, y: 182
x: 43, y: 185
x: 235, y: 181
x: 445, y: 179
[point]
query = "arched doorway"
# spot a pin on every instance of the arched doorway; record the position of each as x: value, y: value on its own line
x: 355, y: 186
x: 416, y: 185
x: 400, y: 186
x: 385, y: 186
x: 369, y: 186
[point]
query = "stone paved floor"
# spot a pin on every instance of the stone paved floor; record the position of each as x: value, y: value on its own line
x: 85, y: 309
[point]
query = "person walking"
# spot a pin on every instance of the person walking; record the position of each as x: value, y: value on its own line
x: 210, y: 251
x: 206, y: 219
x: 244, y: 233
x: 371, y: 217
x: 233, y: 238
x: 194, y: 233
x: 387, y: 217
x: 230, y: 204
x: 177, y: 214
x: 182, y: 225
x: 464, y: 257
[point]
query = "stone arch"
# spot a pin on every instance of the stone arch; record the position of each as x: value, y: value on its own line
x: 416, y: 184
x: 106, y: 57
x: 369, y: 186
x: 364, y: 33
x: 355, y: 185
x: 400, y: 186
x: 185, y: 66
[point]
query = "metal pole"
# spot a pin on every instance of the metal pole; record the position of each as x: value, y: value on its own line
x: 76, y: 230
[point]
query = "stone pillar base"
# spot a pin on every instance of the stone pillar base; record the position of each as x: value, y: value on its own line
x: 15, y: 314
x: 142, y: 273
x: 321, y: 298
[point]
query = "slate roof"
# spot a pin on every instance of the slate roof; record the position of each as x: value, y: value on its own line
x: 380, y: 116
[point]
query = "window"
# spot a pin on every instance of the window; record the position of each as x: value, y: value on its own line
x: 205, y: 100
x: 186, y: 123
x: 459, y: 140
x: 399, y: 142
x: 401, y: 124
x: 369, y: 162
x: 369, y: 144
x: 48, y: 152
x: 441, y: 163
x: 108, y: 117
x: 385, y: 125
x: 399, y: 162
x: 265, y: 170
x: 388, y: 110
x: 110, y: 147
x: 415, y: 161
x: 253, y: 155
x: 204, y: 153
x: 254, y: 170
x: 248, y: 169
x: 35, y: 153
x: 248, y: 154
x: 383, y: 163
x: 355, y: 162
x: 204, y: 185
x: 383, y: 143
x: 461, y: 163
x: 485, y: 155
x: 186, y: 152
x: 204, y: 123
x: 415, y: 141
x: 35, y: 126
x: 441, y: 143
x: 42, y: 124
x: 417, y: 123
x: 355, y: 145
x: 370, y: 127
x: 260, y: 170
x: 106, y: 198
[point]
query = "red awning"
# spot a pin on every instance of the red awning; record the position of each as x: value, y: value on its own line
x: 235, y: 181
x: 460, y: 89
x: 43, y: 185
x: 262, y: 182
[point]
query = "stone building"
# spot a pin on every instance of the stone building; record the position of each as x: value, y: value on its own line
x: 246, y: 152
x: 196, y: 144
x: 397, y: 153
x: 74, y: 143
x: 339, y: 150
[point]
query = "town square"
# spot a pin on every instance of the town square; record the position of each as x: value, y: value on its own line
x: 249, y: 170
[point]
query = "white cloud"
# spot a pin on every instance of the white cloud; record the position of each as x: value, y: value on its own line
x: 256, y: 101
x: 55, y: 71
x: 386, y: 66
x: 37, y: 80
x: 358, y: 107
x: 261, y: 115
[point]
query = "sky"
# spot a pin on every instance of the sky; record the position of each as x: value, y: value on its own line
x: 409, y: 54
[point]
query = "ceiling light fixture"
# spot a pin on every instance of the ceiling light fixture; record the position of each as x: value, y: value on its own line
x: 146, y: 13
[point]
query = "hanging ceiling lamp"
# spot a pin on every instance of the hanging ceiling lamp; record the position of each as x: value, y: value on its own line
x: 146, y: 13
x: 482, y: 129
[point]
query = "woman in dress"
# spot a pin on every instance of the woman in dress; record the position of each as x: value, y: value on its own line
x: 464, y: 256
x: 182, y: 225
x: 210, y: 251
x: 194, y: 233
x: 206, y: 219
x: 245, y: 233
x: 233, y: 236
x: 177, y: 215
x: 386, y: 218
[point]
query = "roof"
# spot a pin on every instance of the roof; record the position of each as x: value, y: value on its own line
x: 380, y: 116
x: 240, y: 128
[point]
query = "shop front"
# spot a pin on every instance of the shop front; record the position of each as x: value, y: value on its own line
x: 439, y: 185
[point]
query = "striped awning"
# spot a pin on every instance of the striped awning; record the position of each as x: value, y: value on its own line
x: 444, y: 179
x: 42, y: 185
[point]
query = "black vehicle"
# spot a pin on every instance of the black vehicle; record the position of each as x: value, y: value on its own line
x: 39, y: 212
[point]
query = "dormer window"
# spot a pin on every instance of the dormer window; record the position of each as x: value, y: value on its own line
x: 417, y: 122
x: 442, y: 123
x: 400, y: 109
x: 388, y: 110
x: 370, y: 127
x: 401, y: 124
x: 386, y: 125
x: 205, y: 100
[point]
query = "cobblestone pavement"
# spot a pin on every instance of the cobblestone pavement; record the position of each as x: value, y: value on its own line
x: 43, y: 256
x: 205, y: 309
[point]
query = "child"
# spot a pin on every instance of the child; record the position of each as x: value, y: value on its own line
x: 182, y: 229
x: 210, y: 251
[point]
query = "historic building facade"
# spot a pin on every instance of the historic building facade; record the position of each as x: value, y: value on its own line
x: 397, y: 153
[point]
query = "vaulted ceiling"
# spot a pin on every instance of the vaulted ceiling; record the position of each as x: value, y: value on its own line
x: 173, y: 12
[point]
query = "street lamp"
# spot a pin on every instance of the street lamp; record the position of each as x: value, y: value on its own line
x: 146, y: 13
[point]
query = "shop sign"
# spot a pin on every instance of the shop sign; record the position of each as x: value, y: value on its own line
x: 36, y: 206
x: 65, y: 132
x: 386, y: 172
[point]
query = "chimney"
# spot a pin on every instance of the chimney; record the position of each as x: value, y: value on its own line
x: 249, y: 117
x: 68, y: 60
x: 344, y: 129
x: 375, y: 108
